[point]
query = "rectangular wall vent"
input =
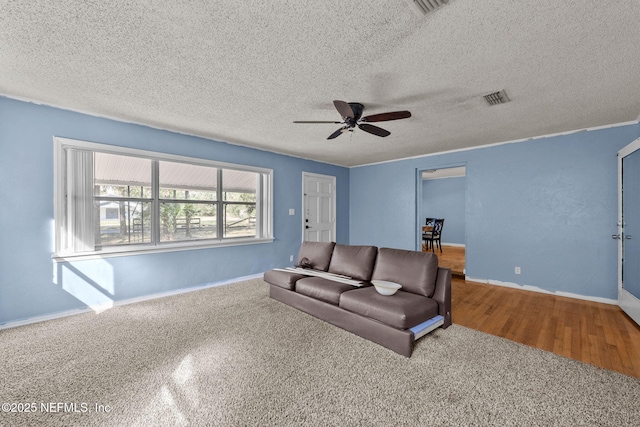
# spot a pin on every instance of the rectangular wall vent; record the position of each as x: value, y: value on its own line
x: 422, y: 7
x: 497, y: 98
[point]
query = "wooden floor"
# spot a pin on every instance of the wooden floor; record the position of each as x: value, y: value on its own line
x: 453, y: 258
x: 595, y: 333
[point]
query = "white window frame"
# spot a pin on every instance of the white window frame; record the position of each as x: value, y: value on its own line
x: 264, y: 206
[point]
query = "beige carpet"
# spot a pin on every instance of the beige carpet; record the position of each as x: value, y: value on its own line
x: 231, y: 356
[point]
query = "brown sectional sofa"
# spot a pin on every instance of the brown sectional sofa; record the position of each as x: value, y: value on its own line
x: 421, y: 305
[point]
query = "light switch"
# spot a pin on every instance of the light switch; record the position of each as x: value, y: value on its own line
x: 292, y: 211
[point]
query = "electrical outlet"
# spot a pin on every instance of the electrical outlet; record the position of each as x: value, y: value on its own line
x: 291, y: 258
x: 517, y: 270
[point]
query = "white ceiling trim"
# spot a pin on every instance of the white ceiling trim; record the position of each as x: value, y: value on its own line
x: 494, y: 144
x: 515, y: 141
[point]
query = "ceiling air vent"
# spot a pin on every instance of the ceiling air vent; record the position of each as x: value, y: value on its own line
x: 422, y: 7
x: 497, y: 98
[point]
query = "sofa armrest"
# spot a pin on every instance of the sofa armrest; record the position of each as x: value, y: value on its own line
x: 442, y: 295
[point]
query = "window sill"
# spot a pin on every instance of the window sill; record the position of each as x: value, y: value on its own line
x: 142, y: 250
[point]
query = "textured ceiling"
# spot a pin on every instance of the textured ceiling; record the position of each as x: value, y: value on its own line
x: 241, y: 71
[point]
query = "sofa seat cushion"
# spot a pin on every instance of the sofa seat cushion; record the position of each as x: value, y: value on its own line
x: 322, y: 289
x: 283, y: 279
x: 401, y: 310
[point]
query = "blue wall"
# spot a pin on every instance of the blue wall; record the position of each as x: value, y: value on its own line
x: 445, y: 198
x: 547, y: 205
x: 31, y: 284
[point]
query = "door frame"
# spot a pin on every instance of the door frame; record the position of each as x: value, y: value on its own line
x: 629, y: 303
x: 333, y: 203
x: 419, y: 213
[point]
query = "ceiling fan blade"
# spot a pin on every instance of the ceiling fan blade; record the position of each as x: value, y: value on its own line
x: 385, y: 117
x: 338, y: 132
x: 374, y: 129
x: 315, y: 121
x: 344, y: 109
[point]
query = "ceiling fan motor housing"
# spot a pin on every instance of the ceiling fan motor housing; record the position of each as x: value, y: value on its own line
x: 358, y: 109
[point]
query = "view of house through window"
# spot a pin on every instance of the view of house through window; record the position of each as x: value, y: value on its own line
x: 122, y: 199
x: 114, y: 200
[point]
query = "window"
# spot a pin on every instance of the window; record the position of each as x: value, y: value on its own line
x: 239, y: 201
x: 112, y: 200
x: 122, y: 199
x: 188, y: 202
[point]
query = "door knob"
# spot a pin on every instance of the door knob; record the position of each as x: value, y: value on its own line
x: 615, y: 236
x: 627, y: 237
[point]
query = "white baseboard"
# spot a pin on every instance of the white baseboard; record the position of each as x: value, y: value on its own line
x: 37, y: 319
x: 458, y: 245
x: 543, y: 291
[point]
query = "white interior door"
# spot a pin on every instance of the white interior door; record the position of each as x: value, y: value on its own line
x: 629, y: 230
x: 319, y: 207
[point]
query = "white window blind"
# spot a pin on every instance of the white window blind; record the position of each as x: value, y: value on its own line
x: 79, y: 206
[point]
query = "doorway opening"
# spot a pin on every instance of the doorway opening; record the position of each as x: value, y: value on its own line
x: 442, y: 195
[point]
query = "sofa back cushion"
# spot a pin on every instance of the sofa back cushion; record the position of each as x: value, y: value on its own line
x: 415, y: 271
x: 353, y: 261
x: 318, y: 254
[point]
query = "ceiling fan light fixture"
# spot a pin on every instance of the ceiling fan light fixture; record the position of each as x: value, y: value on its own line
x: 423, y: 7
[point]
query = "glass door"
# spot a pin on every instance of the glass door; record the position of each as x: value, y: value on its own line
x: 629, y: 230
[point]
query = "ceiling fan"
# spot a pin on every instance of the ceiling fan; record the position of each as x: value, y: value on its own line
x: 351, y: 113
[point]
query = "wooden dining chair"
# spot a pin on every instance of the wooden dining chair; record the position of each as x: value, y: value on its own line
x: 434, y: 236
x: 427, y: 228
